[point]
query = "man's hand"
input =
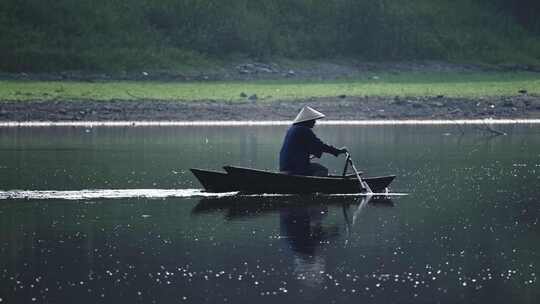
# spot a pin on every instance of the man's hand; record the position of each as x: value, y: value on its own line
x: 343, y: 150
x: 338, y: 152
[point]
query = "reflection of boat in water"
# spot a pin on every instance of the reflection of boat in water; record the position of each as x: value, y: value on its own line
x: 304, y: 228
x: 252, y: 206
x: 248, y: 180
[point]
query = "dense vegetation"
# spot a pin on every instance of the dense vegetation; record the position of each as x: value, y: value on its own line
x: 37, y: 35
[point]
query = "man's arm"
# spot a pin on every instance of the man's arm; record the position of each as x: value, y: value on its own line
x: 317, y: 146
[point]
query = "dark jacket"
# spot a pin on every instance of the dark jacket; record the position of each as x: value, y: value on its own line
x: 300, y: 142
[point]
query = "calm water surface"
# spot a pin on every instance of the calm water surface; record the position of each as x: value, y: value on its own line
x: 467, y: 232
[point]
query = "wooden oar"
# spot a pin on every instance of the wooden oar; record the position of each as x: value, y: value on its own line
x: 363, y: 184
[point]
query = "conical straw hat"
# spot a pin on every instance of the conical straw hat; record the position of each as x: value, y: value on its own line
x: 306, y: 114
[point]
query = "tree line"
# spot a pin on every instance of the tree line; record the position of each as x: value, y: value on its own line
x: 131, y: 34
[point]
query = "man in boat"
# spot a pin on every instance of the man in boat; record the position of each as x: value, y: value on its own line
x: 301, y: 144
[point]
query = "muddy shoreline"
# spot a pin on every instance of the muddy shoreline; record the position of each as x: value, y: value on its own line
x: 522, y: 105
x: 341, y: 108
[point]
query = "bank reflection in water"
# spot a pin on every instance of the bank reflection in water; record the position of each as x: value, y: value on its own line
x: 305, y: 230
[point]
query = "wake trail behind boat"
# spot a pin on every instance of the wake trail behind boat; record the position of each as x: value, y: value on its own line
x: 107, y: 194
x: 139, y: 193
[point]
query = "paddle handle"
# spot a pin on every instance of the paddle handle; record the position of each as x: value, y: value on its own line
x: 346, y: 164
x: 363, y: 184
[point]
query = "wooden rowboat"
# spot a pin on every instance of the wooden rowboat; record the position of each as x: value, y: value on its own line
x: 247, y: 180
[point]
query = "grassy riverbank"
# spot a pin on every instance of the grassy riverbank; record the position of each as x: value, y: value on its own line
x: 466, y: 85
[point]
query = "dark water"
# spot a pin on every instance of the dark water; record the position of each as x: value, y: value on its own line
x: 467, y: 232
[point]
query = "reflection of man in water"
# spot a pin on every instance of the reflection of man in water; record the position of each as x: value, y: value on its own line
x: 304, y: 233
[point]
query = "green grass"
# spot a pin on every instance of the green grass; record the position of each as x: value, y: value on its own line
x: 466, y: 85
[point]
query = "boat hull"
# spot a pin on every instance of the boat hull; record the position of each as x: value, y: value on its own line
x: 214, y: 181
x: 252, y: 181
x: 258, y: 181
